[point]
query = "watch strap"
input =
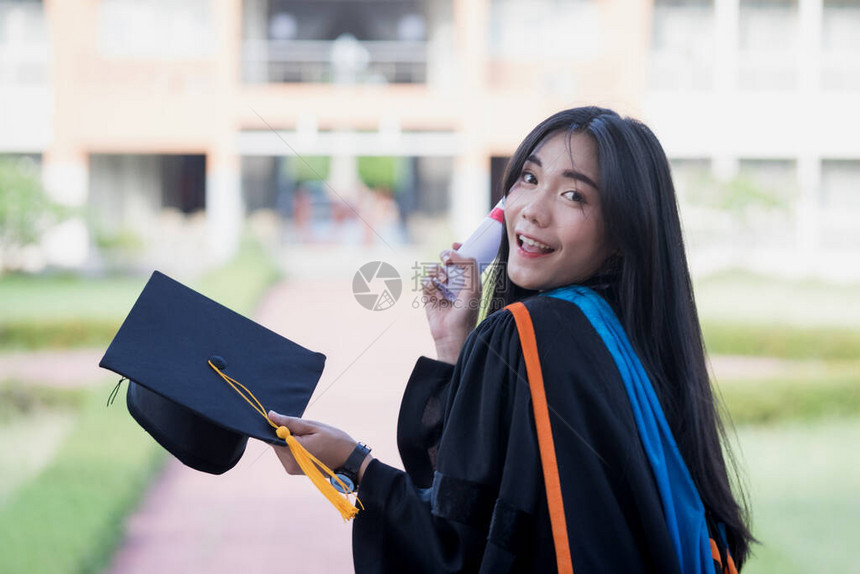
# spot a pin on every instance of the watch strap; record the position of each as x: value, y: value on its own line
x: 352, y: 464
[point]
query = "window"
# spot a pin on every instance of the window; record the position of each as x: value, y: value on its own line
x: 682, y: 45
x: 840, y: 184
x: 692, y: 179
x: 767, y: 37
x: 840, y: 45
x: 340, y: 41
x: 762, y: 199
x: 840, y: 199
x: 130, y: 190
x: 23, y: 44
x: 776, y: 178
x: 556, y: 29
x: 156, y: 29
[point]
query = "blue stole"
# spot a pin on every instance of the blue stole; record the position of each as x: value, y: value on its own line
x: 682, y: 506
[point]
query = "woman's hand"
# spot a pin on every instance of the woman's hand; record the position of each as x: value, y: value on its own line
x: 452, y: 321
x: 330, y: 445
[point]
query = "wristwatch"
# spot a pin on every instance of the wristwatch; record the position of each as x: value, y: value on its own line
x: 348, y: 473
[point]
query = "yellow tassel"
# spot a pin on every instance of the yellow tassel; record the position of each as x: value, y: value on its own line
x: 310, y: 465
x: 314, y: 469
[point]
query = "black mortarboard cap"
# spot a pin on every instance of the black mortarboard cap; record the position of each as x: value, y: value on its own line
x: 164, y: 347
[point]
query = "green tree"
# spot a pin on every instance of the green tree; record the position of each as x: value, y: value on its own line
x: 25, y: 210
x: 381, y: 173
x: 311, y: 168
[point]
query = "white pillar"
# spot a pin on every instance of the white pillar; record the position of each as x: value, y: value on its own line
x: 809, y: 46
x: 470, y: 194
x: 470, y: 185
x: 66, y: 180
x: 808, y: 210
x: 225, y: 211
x: 726, y: 19
x: 343, y: 176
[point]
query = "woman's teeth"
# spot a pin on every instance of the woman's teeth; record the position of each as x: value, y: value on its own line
x: 536, y: 244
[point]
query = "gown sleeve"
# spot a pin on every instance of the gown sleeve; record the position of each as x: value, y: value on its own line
x: 472, y: 497
x: 419, y: 426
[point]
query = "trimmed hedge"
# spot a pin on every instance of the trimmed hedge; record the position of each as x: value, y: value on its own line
x: 62, y: 312
x: 781, y: 341
x: 69, y: 518
x: 57, y: 334
x: 770, y: 400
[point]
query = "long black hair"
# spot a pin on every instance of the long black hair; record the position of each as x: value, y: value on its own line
x: 647, y: 281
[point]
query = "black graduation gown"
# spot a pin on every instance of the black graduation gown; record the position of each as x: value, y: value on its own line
x: 472, y: 498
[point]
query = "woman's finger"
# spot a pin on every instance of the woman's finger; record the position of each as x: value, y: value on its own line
x: 456, y: 259
x: 296, y: 425
x: 433, y: 296
x: 441, y: 275
x: 469, y: 267
x: 435, y: 272
x: 434, y: 276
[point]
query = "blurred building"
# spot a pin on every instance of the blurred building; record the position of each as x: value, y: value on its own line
x: 176, y: 121
x: 761, y: 95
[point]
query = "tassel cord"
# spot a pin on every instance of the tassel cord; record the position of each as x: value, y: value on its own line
x: 313, y: 468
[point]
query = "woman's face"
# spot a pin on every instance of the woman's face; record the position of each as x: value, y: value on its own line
x: 553, y: 216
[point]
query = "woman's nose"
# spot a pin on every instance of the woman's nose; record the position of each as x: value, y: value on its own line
x: 536, y: 209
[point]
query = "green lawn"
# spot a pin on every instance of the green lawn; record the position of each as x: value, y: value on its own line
x: 783, y: 341
x: 68, y: 517
x: 743, y: 298
x: 29, y: 418
x: 804, y: 479
x: 63, y: 311
x: 804, y: 390
x: 28, y: 444
x: 798, y: 432
x: 799, y: 427
x: 55, y: 297
x: 745, y: 314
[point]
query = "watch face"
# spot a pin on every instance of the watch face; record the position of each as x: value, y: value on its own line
x: 346, y: 480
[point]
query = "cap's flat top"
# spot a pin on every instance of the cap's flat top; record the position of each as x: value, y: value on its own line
x: 172, y: 332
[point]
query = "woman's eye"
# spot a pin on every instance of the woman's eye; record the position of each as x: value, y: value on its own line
x: 529, y: 178
x: 574, y: 196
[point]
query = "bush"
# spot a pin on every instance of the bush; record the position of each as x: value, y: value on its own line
x: 311, y: 168
x: 17, y: 399
x: 67, y: 312
x: 62, y: 333
x: 69, y: 518
x: 380, y: 172
x: 783, y: 341
x: 770, y: 400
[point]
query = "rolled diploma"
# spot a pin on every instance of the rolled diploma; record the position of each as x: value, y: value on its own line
x: 482, y: 246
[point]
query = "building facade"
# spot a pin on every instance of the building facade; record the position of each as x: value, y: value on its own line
x: 176, y: 121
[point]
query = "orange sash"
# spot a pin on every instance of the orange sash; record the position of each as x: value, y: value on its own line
x: 545, y: 442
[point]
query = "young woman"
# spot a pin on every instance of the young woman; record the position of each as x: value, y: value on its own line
x: 590, y: 212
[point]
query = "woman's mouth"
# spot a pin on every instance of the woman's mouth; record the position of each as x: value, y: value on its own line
x: 532, y: 247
